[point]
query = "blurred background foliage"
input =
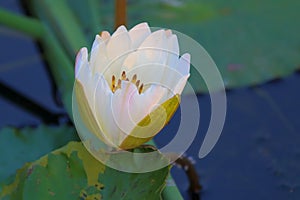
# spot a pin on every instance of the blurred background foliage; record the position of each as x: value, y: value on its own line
x: 254, y: 44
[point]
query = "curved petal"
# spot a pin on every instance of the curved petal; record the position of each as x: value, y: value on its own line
x: 142, y: 104
x: 150, y: 51
x: 98, y: 59
x: 176, y: 77
x: 149, y: 126
x: 98, y: 40
x: 138, y: 34
x: 118, y: 47
x: 184, y: 64
x: 122, y: 115
x: 119, y: 43
x: 105, y: 35
x: 181, y: 84
x: 174, y: 51
x: 85, y: 76
x: 153, y: 49
x: 81, y: 60
x: 86, y: 112
x: 103, y: 112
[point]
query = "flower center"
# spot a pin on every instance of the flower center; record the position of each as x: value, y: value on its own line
x: 117, y: 84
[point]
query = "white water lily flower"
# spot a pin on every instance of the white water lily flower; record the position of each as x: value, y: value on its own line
x: 130, y: 86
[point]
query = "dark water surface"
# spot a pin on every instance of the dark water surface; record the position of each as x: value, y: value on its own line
x: 22, y: 69
x: 258, y: 153
x: 257, y: 156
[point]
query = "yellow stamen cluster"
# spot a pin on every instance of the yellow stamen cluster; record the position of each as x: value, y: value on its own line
x: 117, y: 85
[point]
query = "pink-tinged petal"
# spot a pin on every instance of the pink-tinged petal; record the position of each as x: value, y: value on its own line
x: 97, y: 41
x: 99, y: 59
x: 103, y: 112
x: 87, y: 114
x: 89, y: 83
x: 184, y: 64
x: 174, y: 51
x: 138, y: 34
x: 117, y: 50
x: 142, y: 104
x: 151, y: 52
x: 105, y: 35
x: 153, y: 49
x: 121, y: 108
x: 119, y: 43
x: 129, y: 107
x: 181, y: 84
x: 168, y: 32
x: 81, y: 60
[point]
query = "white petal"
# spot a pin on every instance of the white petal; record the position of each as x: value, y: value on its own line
x: 184, y: 64
x: 176, y: 76
x: 98, y: 59
x: 129, y: 107
x: 98, y: 40
x: 168, y: 32
x: 143, y: 104
x: 89, y: 83
x: 170, y: 78
x: 103, y: 111
x: 138, y: 34
x: 153, y: 49
x: 117, y: 50
x: 119, y: 43
x: 120, y: 106
x: 150, y: 51
x: 84, y: 75
x: 174, y: 51
x: 181, y: 84
x: 81, y: 60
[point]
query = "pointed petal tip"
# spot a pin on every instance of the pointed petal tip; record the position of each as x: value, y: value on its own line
x: 98, y: 40
x: 105, y: 35
x: 143, y: 25
x: 173, y: 42
x: 181, y: 84
x: 138, y: 34
x: 81, y: 57
x: 169, y: 32
x: 120, y: 29
x: 159, y: 32
x: 184, y: 64
x: 186, y: 57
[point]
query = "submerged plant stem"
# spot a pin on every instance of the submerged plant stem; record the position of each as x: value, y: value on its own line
x: 29, y: 26
x: 28, y: 104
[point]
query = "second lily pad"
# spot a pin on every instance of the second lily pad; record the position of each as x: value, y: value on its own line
x: 251, y: 41
x: 72, y: 173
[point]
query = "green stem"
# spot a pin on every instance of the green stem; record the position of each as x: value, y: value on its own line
x: 29, y: 26
x: 171, y: 191
x: 61, y: 67
x: 59, y: 16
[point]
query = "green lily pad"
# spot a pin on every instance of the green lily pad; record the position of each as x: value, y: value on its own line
x: 251, y: 41
x: 18, y: 146
x: 72, y: 173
